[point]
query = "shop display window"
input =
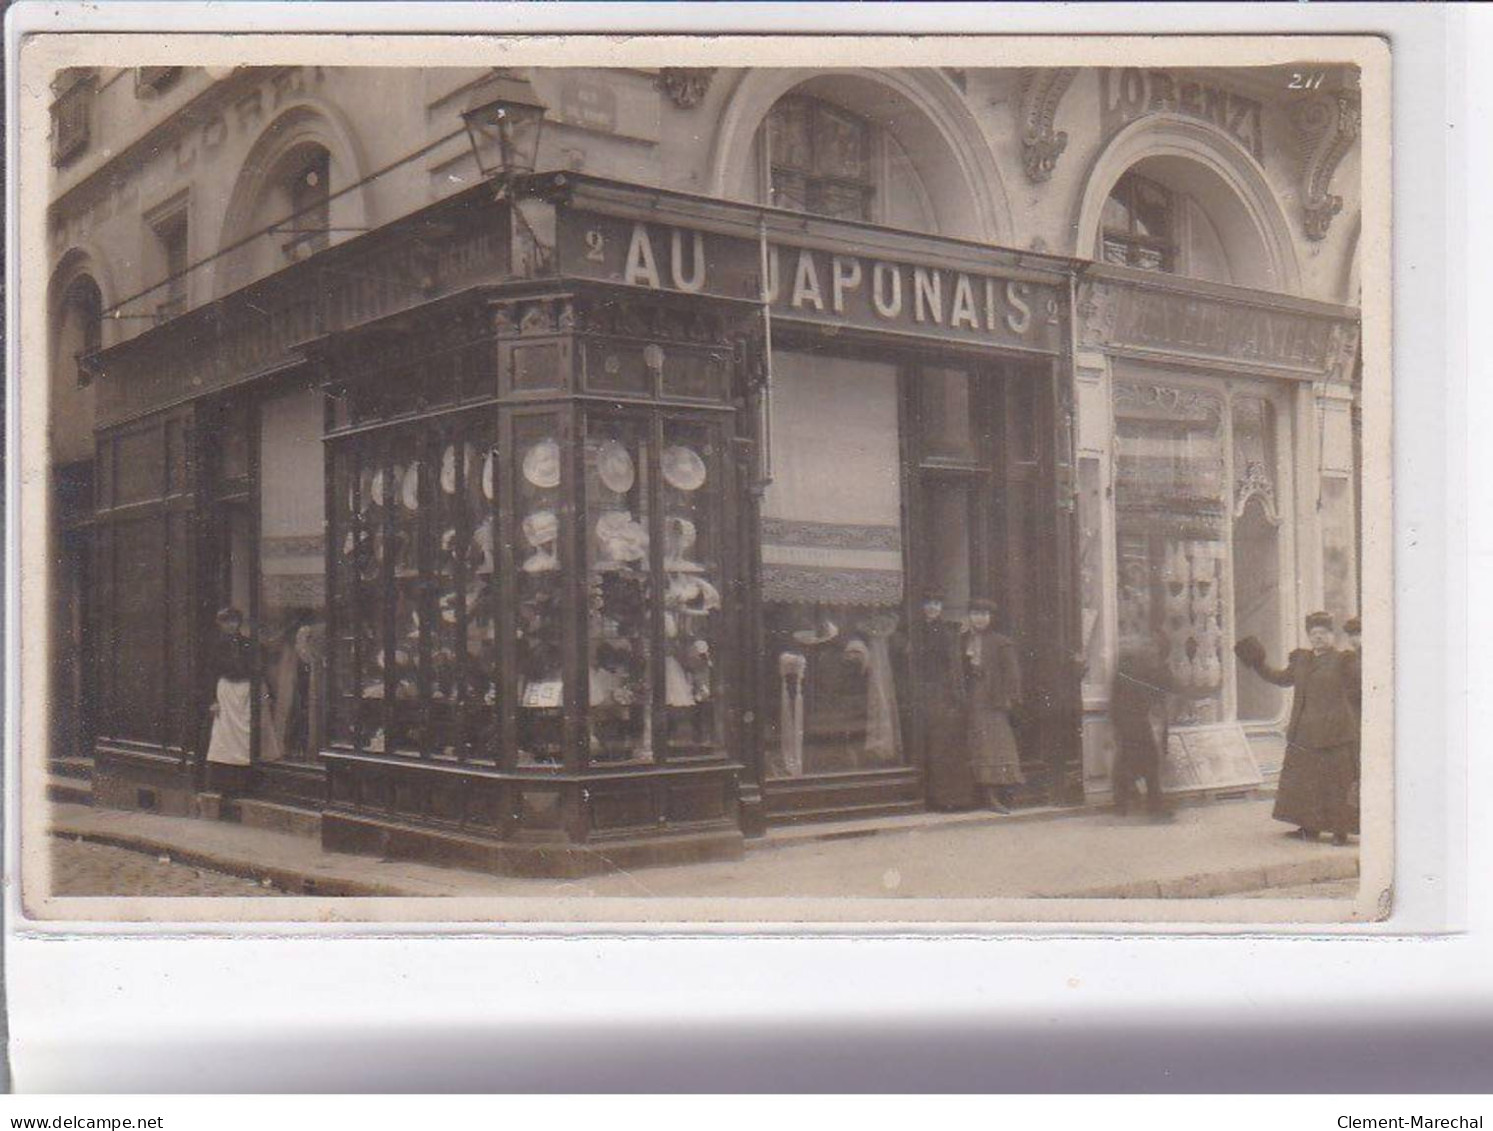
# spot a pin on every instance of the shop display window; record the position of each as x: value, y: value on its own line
x: 692, y: 502
x: 1198, y: 532
x: 619, y: 589
x: 832, y: 582
x: 1171, y: 514
x: 539, y: 563
x: 413, y: 656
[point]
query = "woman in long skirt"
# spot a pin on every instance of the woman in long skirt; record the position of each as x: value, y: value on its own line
x: 992, y: 687
x: 1315, y: 791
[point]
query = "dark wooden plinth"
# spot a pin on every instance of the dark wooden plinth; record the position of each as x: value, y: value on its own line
x: 125, y: 778
x: 345, y: 832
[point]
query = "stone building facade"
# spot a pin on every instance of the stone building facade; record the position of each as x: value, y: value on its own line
x: 589, y: 512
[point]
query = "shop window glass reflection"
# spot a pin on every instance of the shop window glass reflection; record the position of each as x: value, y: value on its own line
x: 948, y: 414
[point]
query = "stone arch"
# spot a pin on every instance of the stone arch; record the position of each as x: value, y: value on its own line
x: 963, y: 184
x: 78, y: 262
x: 301, y: 125
x: 1226, y: 179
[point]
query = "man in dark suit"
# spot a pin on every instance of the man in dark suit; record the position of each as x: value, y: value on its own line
x: 936, y: 677
x: 1315, y: 791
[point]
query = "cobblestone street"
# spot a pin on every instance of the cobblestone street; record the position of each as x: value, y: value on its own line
x: 81, y: 867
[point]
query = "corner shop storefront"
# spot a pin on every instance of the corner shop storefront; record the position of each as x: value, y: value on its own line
x: 544, y: 560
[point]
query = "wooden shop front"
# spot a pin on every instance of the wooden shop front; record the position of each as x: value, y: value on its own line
x: 587, y: 528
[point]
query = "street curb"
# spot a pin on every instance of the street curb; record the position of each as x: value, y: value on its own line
x: 1210, y: 885
x: 290, y: 881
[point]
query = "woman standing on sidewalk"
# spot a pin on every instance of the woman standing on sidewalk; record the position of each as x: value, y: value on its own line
x: 1317, y: 776
x: 992, y: 687
x: 228, y: 748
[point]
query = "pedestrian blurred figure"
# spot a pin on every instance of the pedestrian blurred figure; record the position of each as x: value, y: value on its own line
x: 1316, y: 789
x: 992, y: 689
x: 1137, y: 710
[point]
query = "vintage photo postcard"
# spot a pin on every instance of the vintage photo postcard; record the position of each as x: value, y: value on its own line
x: 878, y: 482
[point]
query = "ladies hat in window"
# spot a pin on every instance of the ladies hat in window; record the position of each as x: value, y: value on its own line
x: 479, y: 550
x: 409, y: 491
x: 621, y: 538
x: 615, y: 468
x: 679, y: 539
x: 815, y: 629
x: 541, y: 530
x: 448, y: 466
x: 542, y: 464
x: 683, y: 468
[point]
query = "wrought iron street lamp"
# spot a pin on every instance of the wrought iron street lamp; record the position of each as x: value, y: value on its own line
x: 504, y: 119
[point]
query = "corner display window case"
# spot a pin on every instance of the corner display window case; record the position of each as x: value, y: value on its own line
x: 534, y: 570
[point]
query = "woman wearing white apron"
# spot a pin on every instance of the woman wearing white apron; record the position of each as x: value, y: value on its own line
x: 228, y: 748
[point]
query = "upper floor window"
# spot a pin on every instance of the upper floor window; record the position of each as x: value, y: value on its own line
x: 306, y: 186
x: 1139, y: 225
x: 170, y: 260
x: 72, y: 113
x: 820, y: 159
x: 83, y: 324
x: 154, y: 80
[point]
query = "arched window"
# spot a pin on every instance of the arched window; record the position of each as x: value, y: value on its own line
x: 1139, y: 227
x: 1166, y: 215
x: 304, y: 184
x: 82, y: 327
x: 820, y: 159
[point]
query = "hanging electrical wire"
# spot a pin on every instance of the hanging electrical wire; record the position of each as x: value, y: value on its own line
x: 116, y: 312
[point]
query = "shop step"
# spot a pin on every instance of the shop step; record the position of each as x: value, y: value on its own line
x: 71, y: 766
x: 276, y: 816
x: 68, y: 789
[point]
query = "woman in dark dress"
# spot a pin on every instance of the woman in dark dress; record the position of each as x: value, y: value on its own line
x: 992, y: 685
x: 1315, y: 791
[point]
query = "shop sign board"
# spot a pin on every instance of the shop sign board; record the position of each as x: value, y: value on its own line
x: 259, y: 327
x: 1155, y: 320
x: 1209, y: 758
x: 1128, y: 93
x: 835, y: 288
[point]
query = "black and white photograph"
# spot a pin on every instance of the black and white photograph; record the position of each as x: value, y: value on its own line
x: 743, y: 482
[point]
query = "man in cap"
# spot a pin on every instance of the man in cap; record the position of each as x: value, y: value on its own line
x: 1315, y: 791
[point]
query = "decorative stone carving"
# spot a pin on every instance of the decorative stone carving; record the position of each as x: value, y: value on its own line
x: 1042, y: 89
x: 1342, y: 353
x: 685, y: 86
x: 1327, y: 125
x: 1097, y: 311
x: 1255, y: 482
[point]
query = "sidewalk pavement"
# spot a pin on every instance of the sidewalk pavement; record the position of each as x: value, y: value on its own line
x: 1210, y: 850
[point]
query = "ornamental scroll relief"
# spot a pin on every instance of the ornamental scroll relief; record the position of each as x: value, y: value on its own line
x: 1042, y: 89
x: 1327, y: 125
